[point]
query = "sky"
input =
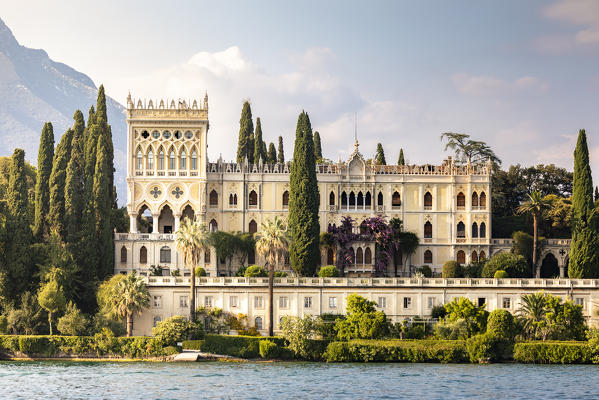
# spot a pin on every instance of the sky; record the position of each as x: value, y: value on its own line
x: 522, y: 76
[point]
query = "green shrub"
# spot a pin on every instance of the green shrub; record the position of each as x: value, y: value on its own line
x: 463, y: 308
x: 3, y: 324
x: 175, y: 329
x: 487, y: 347
x: 501, y: 323
x: 9, y: 342
x: 452, y: 269
x: 171, y: 350
x: 255, y: 271
x: 200, y: 271
x: 397, y: 351
x: 362, y: 320
x: 193, y: 344
x: 73, y: 322
x: 438, y: 312
x: 515, y: 265
x: 237, y: 346
x: 241, y: 271
x: 280, y: 274
x: 37, y: 345
x: 426, y: 271
x: 500, y: 274
x: 328, y: 271
x: 324, y: 326
x: 452, y: 330
x: 553, y: 352
x: 268, y: 349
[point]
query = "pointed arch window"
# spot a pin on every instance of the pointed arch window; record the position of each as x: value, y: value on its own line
x: 368, y: 199
x: 253, y: 227
x: 171, y: 159
x: 140, y: 159
x: 194, y: 159
x: 253, y: 199
x: 123, y: 255
x: 165, y: 254
x: 207, y: 256
x: 379, y: 200
x: 352, y: 199
x: 213, y: 201
x: 360, y: 199
x: 428, y: 201
x: 475, y: 230
x: 359, y: 256
x: 483, y: 230
x: 233, y: 199
x: 428, y: 230
x: 482, y: 200
x: 474, y: 200
x: 368, y: 256
x: 428, y: 257
x: 461, y: 257
x: 285, y: 199
x: 213, y: 225
x: 344, y: 199
x: 474, y: 257
x: 143, y: 255
x: 161, y: 159
x: 150, y: 160
x: 183, y: 160
x: 396, y: 200
x: 482, y: 255
x: 332, y: 199
x: 461, y: 230
x: 461, y: 201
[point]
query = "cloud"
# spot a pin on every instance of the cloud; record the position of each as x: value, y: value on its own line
x: 484, y: 85
x: 582, y: 13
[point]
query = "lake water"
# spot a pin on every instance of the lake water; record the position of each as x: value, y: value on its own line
x: 77, y: 380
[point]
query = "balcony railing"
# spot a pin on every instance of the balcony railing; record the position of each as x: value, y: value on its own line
x: 145, y: 236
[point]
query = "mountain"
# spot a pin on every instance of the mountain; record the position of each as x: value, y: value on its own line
x: 35, y: 89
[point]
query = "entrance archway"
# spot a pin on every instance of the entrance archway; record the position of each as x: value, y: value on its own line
x: 166, y: 220
x: 549, y: 266
x: 144, y: 220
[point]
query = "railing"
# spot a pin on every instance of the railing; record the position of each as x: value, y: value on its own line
x: 145, y: 236
x: 546, y: 242
x: 380, y: 282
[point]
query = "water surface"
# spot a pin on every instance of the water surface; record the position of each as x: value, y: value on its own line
x: 294, y: 380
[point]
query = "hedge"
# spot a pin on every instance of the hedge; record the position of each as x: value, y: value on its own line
x: 193, y: 344
x: 553, y: 352
x: 49, y: 346
x: 237, y: 346
x: 443, y: 351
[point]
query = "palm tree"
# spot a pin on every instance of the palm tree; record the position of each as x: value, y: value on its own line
x: 273, y: 243
x: 130, y: 296
x: 534, y: 206
x: 192, y: 238
x: 533, y: 312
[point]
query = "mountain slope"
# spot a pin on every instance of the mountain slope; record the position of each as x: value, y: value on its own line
x: 35, y: 89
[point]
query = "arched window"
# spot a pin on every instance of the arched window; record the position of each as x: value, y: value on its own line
x: 461, y: 230
x: 171, y: 159
x: 165, y: 254
x: 368, y: 199
x: 352, y: 256
x: 183, y: 160
x: 461, y: 200
x: 253, y: 227
x: 461, y: 257
x: 396, y: 200
x: 483, y: 230
x: 213, y: 201
x: 428, y: 230
x: 140, y: 159
x: 330, y: 257
x: 368, y: 256
x: 207, y: 256
x: 258, y: 323
x: 474, y: 257
x: 359, y: 256
x: 344, y: 199
x: 253, y: 198
x: 352, y: 199
x: 285, y: 199
x: 332, y: 199
x: 482, y: 201
x: 194, y: 159
x: 233, y: 199
x: 379, y: 199
x: 150, y: 160
x: 143, y: 255
x: 475, y: 230
x: 428, y: 201
x: 360, y: 199
x: 213, y: 225
x: 482, y: 255
x: 161, y: 159
x: 123, y: 254
x: 428, y: 257
x: 474, y: 199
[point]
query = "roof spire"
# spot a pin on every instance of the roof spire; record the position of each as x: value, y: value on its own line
x: 356, y: 130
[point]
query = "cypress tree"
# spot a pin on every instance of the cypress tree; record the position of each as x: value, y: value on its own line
x: 74, y: 183
x: 317, y: 147
x: 304, y: 225
x: 101, y: 120
x: 584, y: 248
x: 17, y: 269
x: 281, y: 152
x: 56, y: 216
x: 259, y: 145
x: 263, y: 150
x: 246, y: 129
x: 102, y: 203
x: 401, y: 160
x: 90, y: 121
x: 45, y: 155
x: 380, y: 155
x: 251, y: 141
x: 596, y: 193
x: 271, y: 156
